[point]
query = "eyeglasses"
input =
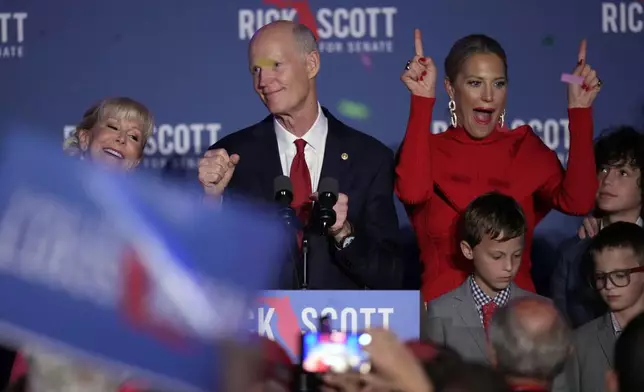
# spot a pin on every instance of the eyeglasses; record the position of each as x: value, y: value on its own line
x: 619, y: 278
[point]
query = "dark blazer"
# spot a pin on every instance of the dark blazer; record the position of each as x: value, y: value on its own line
x: 570, y: 289
x: 7, y: 357
x: 372, y: 260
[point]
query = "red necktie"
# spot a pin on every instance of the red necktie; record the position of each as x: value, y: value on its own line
x: 302, y: 189
x: 488, y: 311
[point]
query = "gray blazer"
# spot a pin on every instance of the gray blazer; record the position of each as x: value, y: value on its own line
x: 594, y: 345
x: 453, y: 320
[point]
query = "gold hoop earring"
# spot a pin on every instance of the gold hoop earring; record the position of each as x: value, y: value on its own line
x: 452, y: 112
x: 502, y: 118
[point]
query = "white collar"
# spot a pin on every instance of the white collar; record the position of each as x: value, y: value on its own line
x: 314, y: 137
x: 638, y: 222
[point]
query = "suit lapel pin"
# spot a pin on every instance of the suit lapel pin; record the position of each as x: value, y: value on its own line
x: 344, y: 156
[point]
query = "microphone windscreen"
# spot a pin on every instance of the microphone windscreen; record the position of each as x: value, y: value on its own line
x: 329, y: 185
x: 282, y: 183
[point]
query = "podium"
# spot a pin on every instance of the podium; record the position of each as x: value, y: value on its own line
x: 283, y: 316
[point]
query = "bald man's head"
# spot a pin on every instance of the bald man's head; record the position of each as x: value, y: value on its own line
x: 301, y: 35
x: 530, y: 339
x: 536, y: 316
x: 284, y: 61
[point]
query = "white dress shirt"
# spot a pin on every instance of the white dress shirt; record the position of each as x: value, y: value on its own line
x: 315, y: 139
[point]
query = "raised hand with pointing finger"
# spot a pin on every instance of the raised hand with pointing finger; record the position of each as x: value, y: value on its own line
x: 420, y: 72
x: 216, y: 169
x: 582, y: 96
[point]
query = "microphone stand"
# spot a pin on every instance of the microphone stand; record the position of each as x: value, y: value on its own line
x: 306, y: 249
x: 305, y: 262
x: 293, y: 225
x: 316, y: 226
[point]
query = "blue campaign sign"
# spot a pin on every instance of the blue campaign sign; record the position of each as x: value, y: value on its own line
x: 283, y: 315
x: 123, y: 270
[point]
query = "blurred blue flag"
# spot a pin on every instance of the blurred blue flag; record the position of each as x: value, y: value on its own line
x: 123, y: 270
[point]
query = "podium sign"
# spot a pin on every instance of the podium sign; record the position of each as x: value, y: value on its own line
x: 283, y: 315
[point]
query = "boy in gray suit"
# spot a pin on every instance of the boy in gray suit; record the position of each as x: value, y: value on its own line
x: 618, y: 257
x: 493, y: 230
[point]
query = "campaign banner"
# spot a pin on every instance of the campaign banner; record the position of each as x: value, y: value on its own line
x: 282, y: 316
x: 123, y: 271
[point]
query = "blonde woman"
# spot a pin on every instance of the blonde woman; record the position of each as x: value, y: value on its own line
x: 113, y: 132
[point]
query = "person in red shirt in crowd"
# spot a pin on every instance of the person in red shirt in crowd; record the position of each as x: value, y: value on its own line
x: 437, y: 176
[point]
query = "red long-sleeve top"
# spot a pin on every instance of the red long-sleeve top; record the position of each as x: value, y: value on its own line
x: 437, y: 176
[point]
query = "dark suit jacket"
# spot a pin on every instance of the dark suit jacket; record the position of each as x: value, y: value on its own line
x: 7, y: 357
x: 570, y: 289
x: 372, y: 260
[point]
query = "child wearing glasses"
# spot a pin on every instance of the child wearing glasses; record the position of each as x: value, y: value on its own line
x: 618, y: 256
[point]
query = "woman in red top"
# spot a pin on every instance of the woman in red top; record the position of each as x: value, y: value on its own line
x: 438, y: 175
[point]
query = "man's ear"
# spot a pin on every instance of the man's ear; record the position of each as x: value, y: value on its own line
x: 467, y: 250
x: 313, y: 64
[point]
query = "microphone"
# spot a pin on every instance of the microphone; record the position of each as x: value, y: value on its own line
x: 328, y: 190
x: 283, y: 194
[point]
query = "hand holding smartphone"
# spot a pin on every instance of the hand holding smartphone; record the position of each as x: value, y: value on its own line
x: 336, y: 352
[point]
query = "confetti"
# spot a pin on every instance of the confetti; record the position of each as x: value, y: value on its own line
x: 353, y: 110
x: 548, y: 40
x: 571, y: 79
x: 366, y: 60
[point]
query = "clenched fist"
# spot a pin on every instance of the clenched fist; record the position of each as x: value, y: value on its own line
x: 216, y: 168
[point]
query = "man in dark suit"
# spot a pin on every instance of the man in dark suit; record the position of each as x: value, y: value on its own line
x: 302, y: 140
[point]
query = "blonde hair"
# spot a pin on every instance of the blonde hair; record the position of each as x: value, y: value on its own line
x: 122, y: 107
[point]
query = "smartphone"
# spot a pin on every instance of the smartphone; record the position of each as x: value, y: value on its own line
x: 337, y: 352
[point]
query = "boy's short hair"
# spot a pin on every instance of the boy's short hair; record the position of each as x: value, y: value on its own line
x: 621, y: 146
x: 619, y: 235
x: 495, y: 215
